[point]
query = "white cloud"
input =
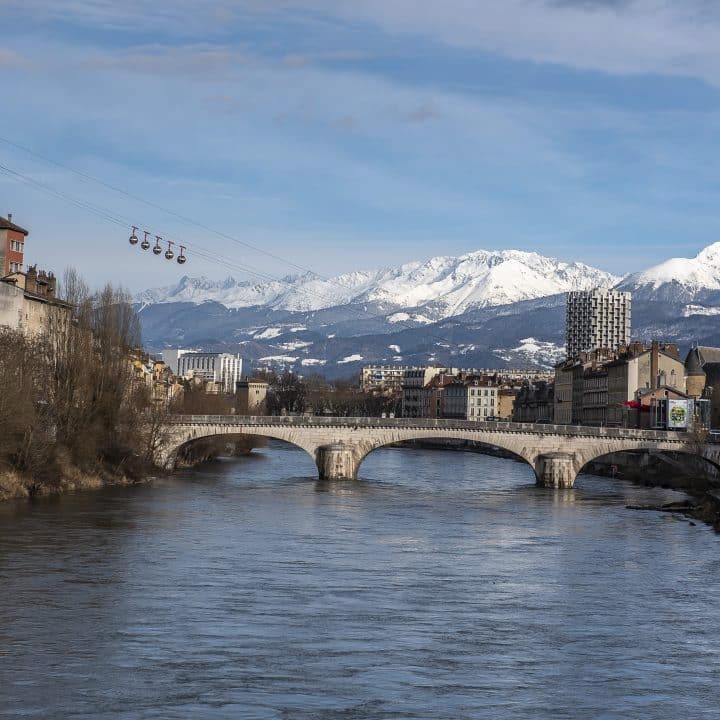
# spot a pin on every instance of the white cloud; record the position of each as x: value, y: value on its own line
x: 644, y: 36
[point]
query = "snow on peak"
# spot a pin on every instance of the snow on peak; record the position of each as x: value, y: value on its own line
x: 443, y: 286
x: 693, y: 274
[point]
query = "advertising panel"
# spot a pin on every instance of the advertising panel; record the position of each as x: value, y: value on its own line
x: 677, y: 414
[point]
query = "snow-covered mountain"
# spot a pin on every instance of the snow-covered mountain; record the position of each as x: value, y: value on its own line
x: 484, y: 309
x: 438, y: 288
x: 679, y: 280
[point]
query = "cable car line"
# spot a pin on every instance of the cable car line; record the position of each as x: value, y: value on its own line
x: 208, y: 256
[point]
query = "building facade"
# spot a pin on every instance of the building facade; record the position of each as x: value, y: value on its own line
x: 28, y: 303
x: 534, y: 403
x: 251, y: 395
x: 637, y: 371
x: 597, y: 319
x: 414, y: 380
x: 703, y: 378
x: 506, y: 402
x: 383, y: 377
x: 595, y: 397
x: 12, y: 246
x: 470, y: 399
x: 221, y: 368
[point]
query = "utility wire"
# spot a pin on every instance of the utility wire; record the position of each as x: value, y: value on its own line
x: 168, y: 211
x: 208, y: 255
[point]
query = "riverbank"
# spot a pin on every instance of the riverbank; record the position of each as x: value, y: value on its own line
x: 63, y: 477
x: 14, y: 486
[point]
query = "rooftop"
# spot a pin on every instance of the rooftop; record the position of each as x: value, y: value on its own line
x: 6, y: 224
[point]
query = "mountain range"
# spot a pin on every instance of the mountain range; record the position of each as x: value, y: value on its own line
x: 482, y: 309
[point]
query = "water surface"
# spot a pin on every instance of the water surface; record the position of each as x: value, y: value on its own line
x: 440, y: 585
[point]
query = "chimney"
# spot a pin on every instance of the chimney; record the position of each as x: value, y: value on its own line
x: 654, y: 363
x: 31, y: 279
x: 9, y: 217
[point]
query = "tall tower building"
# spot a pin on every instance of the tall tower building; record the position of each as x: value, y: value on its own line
x: 597, y: 319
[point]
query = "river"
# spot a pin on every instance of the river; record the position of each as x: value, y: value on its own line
x: 440, y: 585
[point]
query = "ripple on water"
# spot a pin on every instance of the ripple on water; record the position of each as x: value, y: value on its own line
x: 441, y: 584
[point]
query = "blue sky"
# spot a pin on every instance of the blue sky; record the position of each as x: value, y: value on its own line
x: 350, y: 135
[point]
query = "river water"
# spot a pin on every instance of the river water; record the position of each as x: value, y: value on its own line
x: 440, y: 585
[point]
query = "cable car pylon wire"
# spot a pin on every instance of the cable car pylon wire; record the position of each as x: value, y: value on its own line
x: 208, y: 256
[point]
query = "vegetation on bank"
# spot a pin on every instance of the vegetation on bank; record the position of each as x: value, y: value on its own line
x: 290, y: 393
x: 71, y: 412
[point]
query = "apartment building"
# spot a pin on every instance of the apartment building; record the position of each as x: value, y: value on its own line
x: 223, y: 369
x: 597, y: 319
x: 383, y: 377
x: 415, y: 379
x: 471, y: 399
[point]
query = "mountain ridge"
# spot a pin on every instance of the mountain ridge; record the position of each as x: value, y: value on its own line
x: 459, y: 318
x: 443, y: 285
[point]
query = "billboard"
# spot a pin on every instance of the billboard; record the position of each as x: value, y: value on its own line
x: 678, y: 414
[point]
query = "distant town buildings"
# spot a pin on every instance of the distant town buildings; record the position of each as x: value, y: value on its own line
x: 597, y: 319
x: 633, y: 386
x: 450, y: 393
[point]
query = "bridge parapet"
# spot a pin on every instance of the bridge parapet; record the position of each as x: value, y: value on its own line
x: 428, y: 423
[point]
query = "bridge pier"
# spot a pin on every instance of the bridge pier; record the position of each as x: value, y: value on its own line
x: 555, y: 470
x: 337, y: 462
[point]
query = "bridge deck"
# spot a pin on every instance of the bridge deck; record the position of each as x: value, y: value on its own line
x: 430, y: 423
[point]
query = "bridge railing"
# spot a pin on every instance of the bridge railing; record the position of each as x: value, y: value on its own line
x: 425, y: 424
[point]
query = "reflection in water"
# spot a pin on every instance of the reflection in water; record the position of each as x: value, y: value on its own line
x: 441, y: 584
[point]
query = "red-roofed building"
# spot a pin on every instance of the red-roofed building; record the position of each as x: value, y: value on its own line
x: 12, y: 246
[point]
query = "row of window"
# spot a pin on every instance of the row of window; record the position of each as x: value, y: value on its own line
x: 484, y: 392
x: 484, y: 412
x: 15, y: 267
x: 17, y: 245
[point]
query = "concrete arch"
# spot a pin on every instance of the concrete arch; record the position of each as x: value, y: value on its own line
x: 522, y: 454
x: 706, y: 459
x: 168, y: 453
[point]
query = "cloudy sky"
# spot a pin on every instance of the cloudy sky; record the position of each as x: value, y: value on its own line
x: 278, y: 135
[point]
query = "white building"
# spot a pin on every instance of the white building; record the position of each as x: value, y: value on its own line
x: 471, y: 400
x: 597, y: 319
x: 222, y: 368
x: 382, y: 377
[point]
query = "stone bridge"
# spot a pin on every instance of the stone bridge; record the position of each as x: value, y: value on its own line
x: 556, y: 453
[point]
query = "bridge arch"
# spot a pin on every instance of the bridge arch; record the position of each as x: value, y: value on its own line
x: 680, y: 458
x: 516, y: 452
x: 171, y: 448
